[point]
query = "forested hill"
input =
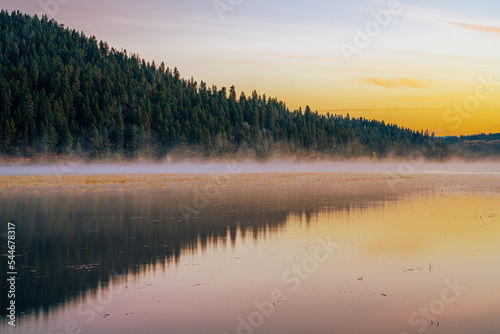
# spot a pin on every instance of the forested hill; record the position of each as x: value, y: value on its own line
x: 476, y: 146
x: 64, y: 93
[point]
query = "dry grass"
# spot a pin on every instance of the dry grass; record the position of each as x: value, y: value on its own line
x: 278, y: 182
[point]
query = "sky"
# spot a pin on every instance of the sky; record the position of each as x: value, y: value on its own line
x: 424, y: 65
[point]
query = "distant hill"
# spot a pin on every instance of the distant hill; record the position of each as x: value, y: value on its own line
x: 62, y: 93
x: 476, y: 146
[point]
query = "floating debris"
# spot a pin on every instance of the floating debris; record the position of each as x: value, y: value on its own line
x: 381, y: 294
x: 199, y: 284
x: 83, y: 266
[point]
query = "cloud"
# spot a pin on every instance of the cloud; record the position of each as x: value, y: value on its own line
x: 394, y: 83
x: 476, y: 27
x: 493, y: 128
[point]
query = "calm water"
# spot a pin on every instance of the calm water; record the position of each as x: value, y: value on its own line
x: 256, y: 263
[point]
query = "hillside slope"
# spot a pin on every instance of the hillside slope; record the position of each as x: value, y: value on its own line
x: 476, y: 146
x: 64, y: 93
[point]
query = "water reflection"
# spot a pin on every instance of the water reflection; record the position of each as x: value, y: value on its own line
x: 73, y: 244
x: 130, y: 262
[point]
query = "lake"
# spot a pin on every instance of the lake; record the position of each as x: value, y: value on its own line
x: 325, y: 254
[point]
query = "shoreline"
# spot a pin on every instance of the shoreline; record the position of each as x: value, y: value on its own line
x: 275, y: 184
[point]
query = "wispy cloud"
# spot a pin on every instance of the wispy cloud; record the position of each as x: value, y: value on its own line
x: 493, y: 129
x: 394, y: 83
x: 427, y: 14
x: 476, y: 27
x: 379, y: 109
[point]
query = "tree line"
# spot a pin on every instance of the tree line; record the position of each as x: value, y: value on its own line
x: 62, y: 92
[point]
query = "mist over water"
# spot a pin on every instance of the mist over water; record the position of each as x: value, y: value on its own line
x: 126, y: 261
x: 277, y: 166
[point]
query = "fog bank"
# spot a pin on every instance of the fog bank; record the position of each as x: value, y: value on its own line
x: 282, y: 166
